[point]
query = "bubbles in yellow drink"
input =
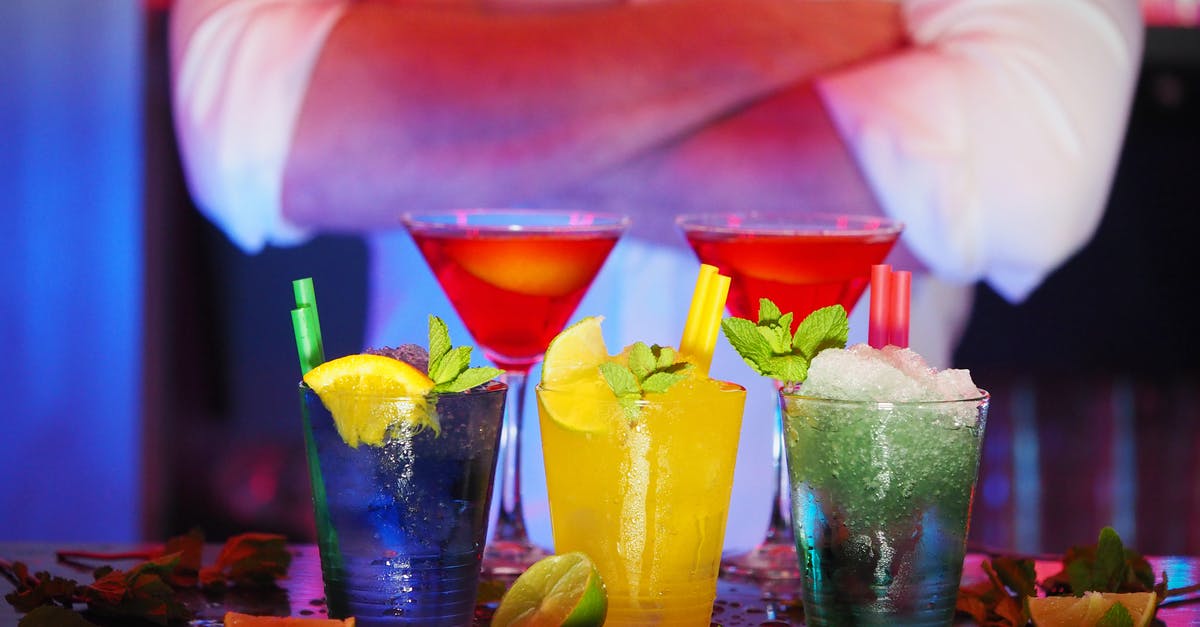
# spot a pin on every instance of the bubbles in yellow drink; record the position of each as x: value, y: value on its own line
x: 639, y: 479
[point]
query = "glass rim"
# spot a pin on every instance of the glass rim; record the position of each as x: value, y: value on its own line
x: 436, y: 220
x: 782, y: 223
x: 495, y: 386
x: 983, y: 397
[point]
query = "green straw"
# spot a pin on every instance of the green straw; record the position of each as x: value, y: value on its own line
x: 312, y: 354
x: 307, y: 325
x: 306, y: 344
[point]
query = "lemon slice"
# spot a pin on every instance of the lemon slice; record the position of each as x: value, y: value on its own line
x: 1087, y: 610
x: 235, y: 619
x: 557, y: 590
x: 372, y: 397
x: 575, y: 353
x: 571, y: 372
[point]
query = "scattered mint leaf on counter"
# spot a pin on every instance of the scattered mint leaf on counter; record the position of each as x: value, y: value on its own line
x: 149, y: 591
x: 449, y: 366
x: 1106, y: 566
x: 769, y: 347
x: 1116, y: 616
x: 54, y: 616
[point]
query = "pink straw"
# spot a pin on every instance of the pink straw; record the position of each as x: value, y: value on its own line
x: 878, y: 331
x: 901, y: 289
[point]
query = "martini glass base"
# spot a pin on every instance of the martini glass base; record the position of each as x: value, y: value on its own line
x: 773, y: 559
x: 508, y: 558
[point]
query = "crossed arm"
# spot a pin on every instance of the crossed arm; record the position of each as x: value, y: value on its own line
x: 426, y: 106
x: 996, y: 116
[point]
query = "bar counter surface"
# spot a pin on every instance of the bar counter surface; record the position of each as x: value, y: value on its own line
x: 739, y: 603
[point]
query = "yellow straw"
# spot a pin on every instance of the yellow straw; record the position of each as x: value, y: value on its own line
x: 704, y: 318
x: 695, y: 315
x: 718, y: 290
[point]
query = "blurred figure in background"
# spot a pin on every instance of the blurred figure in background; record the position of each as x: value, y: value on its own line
x: 990, y: 129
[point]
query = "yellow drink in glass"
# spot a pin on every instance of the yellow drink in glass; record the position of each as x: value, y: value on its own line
x: 642, y: 487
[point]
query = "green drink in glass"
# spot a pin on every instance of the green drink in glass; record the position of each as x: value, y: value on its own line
x: 883, y: 455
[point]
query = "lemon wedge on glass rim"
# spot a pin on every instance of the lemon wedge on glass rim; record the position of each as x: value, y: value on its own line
x: 571, y: 371
x: 373, y: 397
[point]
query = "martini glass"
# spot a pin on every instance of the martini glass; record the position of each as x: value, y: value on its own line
x: 514, y: 277
x: 802, y: 262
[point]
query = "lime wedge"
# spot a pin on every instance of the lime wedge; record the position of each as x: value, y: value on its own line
x: 1087, y: 610
x: 372, y: 397
x: 557, y: 590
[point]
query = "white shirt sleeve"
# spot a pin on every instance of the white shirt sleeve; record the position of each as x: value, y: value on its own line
x: 995, y: 137
x: 241, y: 68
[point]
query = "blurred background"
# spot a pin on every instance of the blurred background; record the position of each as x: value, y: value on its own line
x: 150, y: 366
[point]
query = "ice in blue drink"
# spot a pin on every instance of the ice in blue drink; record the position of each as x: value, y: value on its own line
x: 402, y: 524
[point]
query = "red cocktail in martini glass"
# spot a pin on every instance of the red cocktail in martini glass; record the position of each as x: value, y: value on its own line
x: 514, y: 277
x: 802, y: 262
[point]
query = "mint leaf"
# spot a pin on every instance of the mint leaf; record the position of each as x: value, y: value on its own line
x: 770, y: 348
x: 641, y: 360
x: 1018, y: 574
x: 1106, y: 566
x: 1116, y: 616
x: 469, y: 378
x: 54, y: 616
x: 777, y: 337
x: 664, y: 356
x: 659, y: 382
x: 1079, y: 574
x: 827, y: 327
x: 788, y: 368
x: 1109, y: 571
x: 746, y: 340
x: 450, y: 365
x: 785, y: 323
x: 768, y: 311
x: 620, y: 379
x: 439, y: 339
x: 651, y: 370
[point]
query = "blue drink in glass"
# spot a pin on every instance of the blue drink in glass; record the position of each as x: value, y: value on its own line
x: 401, y: 526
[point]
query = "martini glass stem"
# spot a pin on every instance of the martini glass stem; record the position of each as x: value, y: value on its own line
x: 775, y: 557
x: 510, y: 522
x: 510, y: 552
x: 779, y: 530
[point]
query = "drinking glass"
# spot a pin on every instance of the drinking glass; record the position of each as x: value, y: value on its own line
x: 514, y: 277
x: 401, y: 526
x: 881, y: 501
x: 802, y: 261
x: 642, y: 487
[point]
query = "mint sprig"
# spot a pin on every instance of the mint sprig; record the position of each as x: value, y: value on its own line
x: 771, y: 349
x: 651, y: 369
x: 450, y: 366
